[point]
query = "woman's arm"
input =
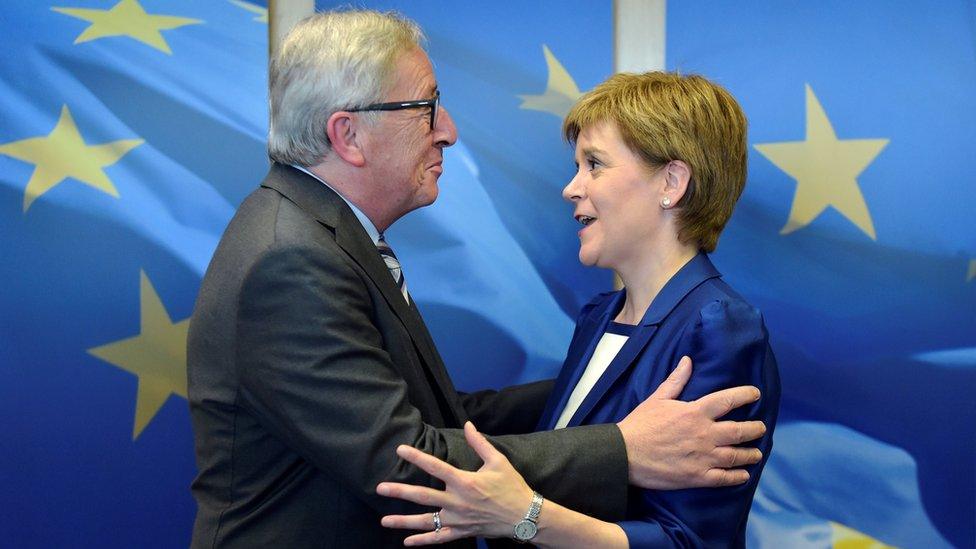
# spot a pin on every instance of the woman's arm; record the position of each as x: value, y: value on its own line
x: 488, y: 503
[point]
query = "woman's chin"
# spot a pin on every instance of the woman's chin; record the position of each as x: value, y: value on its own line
x: 586, y: 259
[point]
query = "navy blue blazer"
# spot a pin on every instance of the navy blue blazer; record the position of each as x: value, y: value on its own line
x: 699, y: 315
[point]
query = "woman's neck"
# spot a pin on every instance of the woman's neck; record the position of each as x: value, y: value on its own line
x: 645, y: 278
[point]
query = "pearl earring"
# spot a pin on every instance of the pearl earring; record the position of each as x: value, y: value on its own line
x: 666, y: 202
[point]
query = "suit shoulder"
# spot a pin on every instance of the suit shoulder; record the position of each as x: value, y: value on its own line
x: 721, y: 308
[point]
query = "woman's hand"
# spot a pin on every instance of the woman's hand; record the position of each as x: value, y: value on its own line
x: 484, y: 503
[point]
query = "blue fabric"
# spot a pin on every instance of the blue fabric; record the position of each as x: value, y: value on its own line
x: 698, y: 315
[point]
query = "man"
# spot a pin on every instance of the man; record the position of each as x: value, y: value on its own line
x: 309, y: 363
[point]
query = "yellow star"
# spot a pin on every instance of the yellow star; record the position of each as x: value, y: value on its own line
x: 62, y: 154
x: 825, y: 169
x: 127, y: 18
x: 972, y: 270
x: 561, y: 91
x: 253, y: 8
x: 849, y: 538
x: 157, y: 356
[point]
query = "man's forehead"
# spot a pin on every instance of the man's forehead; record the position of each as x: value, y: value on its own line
x: 415, y: 73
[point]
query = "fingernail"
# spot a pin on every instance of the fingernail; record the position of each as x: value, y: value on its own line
x: 382, y: 489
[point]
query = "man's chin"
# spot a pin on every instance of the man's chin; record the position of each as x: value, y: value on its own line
x: 424, y: 200
x: 431, y: 191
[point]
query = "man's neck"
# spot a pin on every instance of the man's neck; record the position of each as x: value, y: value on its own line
x: 368, y: 225
x: 354, y: 188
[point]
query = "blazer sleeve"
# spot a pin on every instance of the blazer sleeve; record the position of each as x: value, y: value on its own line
x: 509, y: 411
x: 728, y: 344
x: 315, y: 373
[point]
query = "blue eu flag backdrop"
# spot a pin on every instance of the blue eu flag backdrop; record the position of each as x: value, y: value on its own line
x: 855, y: 236
x: 130, y: 131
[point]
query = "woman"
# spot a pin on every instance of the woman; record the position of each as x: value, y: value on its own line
x: 661, y: 163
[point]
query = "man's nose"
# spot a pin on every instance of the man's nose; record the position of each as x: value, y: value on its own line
x: 445, y: 132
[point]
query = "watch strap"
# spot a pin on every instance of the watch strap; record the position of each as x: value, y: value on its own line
x: 535, y: 507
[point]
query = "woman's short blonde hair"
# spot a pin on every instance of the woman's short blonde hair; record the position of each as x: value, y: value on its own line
x: 665, y: 117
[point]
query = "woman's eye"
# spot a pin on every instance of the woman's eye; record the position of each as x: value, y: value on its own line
x: 592, y: 164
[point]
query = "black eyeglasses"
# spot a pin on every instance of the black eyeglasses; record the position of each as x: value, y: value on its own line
x: 433, y: 103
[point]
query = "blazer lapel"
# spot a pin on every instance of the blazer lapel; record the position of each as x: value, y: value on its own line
x: 331, y: 210
x: 577, y: 359
x: 690, y: 276
x: 620, y: 364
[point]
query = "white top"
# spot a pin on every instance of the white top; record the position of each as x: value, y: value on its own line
x: 608, y: 347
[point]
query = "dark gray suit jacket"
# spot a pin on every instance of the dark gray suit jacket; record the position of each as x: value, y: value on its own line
x: 306, y: 368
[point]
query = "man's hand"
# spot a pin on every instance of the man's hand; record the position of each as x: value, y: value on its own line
x: 673, y: 444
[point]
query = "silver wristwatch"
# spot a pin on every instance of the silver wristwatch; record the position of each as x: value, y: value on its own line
x: 526, y: 528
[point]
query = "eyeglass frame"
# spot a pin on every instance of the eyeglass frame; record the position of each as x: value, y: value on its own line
x: 434, y: 104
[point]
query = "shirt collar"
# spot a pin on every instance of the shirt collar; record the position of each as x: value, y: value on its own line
x: 363, y: 220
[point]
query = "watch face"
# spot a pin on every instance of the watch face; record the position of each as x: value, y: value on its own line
x: 525, y: 530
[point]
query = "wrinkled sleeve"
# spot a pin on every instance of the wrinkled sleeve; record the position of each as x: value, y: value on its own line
x: 509, y: 411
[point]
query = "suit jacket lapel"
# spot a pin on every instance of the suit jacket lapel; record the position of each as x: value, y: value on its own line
x: 331, y: 210
x: 690, y: 276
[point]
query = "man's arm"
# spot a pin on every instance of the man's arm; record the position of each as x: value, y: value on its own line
x: 509, y: 411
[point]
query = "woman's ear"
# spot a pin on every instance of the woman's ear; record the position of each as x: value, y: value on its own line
x: 677, y: 175
x: 345, y: 131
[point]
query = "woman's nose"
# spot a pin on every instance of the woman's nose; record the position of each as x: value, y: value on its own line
x: 573, y: 190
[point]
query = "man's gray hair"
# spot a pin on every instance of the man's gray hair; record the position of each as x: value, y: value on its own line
x: 330, y: 62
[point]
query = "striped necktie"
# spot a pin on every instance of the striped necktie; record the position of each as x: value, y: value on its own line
x: 393, y: 264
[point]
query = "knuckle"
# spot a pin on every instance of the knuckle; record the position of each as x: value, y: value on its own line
x: 728, y: 404
x: 437, y: 468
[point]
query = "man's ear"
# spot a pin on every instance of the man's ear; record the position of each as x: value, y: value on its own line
x: 345, y: 133
x: 677, y: 175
